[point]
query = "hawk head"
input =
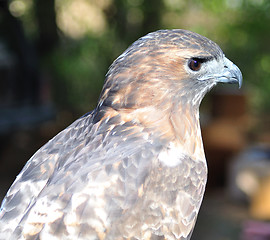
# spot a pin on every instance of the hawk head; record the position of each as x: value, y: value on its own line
x: 167, y: 66
x: 160, y: 80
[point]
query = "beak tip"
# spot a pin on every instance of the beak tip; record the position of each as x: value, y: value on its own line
x: 233, y: 73
x: 240, y: 85
x: 240, y: 80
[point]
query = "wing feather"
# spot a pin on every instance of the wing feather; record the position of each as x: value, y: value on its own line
x: 84, y: 178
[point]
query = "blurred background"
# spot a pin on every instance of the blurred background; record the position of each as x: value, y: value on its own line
x: 54, y: 55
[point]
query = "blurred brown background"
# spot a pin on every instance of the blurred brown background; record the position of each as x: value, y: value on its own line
x: 54, y: 55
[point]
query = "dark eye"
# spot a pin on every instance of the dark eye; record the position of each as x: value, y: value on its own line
x: 195, y: 64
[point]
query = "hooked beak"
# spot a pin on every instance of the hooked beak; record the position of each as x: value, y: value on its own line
x: 230, y: 74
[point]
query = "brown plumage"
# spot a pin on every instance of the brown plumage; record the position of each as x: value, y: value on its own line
x: 134, y: 168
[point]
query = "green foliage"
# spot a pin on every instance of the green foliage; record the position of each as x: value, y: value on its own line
x: 249, y: 39
x: 79, y: 70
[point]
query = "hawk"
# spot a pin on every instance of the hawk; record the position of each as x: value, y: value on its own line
x: 133, y: 168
